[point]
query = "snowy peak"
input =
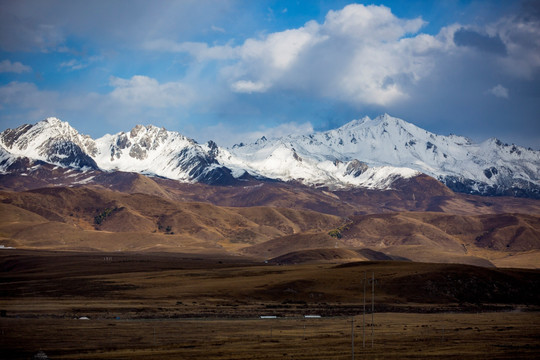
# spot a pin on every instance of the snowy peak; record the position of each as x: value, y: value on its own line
x: 156, y: 151
x: 138, y: 143
x: 318, y: 159
x: 383, y: 140
x: 381, y: 121
x: 386, y: 143
x: 51, y: 140
x: 149, y: 137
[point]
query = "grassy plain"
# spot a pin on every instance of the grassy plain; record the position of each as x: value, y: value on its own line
x: 506, y: 335
x: 182, y: 306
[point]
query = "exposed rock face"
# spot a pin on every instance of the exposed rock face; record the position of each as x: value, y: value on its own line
x: 356, y: 168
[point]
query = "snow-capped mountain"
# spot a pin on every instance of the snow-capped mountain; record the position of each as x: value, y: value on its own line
x: 148, y: 150
x: 156, y: 151
x: 391, y: 145
x: 368, y: 153
x: 52, y: 141
x: 318, y: 165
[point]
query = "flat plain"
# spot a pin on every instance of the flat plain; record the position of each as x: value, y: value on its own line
x: 192, y: 306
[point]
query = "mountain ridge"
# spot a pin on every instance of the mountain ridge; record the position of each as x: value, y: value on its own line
x: 365, y: 153
x: 489, y: 168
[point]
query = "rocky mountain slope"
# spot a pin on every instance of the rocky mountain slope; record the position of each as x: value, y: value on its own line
x: 366, y: 153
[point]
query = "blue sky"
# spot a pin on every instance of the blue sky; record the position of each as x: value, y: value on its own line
x: 234, y: 70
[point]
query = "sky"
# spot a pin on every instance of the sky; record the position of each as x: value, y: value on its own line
x: 235, y: 70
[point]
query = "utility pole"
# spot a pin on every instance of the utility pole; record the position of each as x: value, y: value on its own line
x: 352, y: 337
x: 372, y: 304
x: 364, y: 314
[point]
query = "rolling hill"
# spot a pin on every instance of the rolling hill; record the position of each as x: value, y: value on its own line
x: 93, y: 218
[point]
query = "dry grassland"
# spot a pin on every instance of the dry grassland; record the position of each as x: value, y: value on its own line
x: 181, y: 306
x: 395, y: 336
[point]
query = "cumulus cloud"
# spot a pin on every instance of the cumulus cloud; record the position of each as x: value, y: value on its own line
x: 369, y: 23
x: 16, y: 67
x: 145, y: 91
x: 521, y: 36
x: 499, y: 91
x: 367, y: 56
x: 360, y: 54
x: 279, y: 51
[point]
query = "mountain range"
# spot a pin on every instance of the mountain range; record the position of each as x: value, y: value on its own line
x: 366, y: 153
x: 373, y: 189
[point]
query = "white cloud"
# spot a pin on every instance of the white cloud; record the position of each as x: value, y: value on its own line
x: 367, y: 56
x: 217, y: 29
x: 145, y: 91
x: 73, y: 65
x: 499, y: 91
x: 129, y: 94
x: 360, y: 54
x: 26, y: 95
x: 131, y: 101
x: 16, y: 67
x: 201, y: 51
x: 521, y: 37
x: 279, y: 51
x: 246, y: 86
x: 26, y: 103
x: 369, y: 24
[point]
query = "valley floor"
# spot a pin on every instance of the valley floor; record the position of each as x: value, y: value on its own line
x: 190, y: 306
x: 506, y: 335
